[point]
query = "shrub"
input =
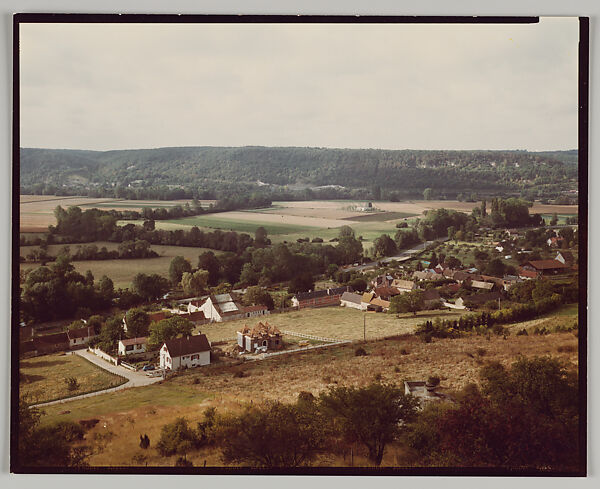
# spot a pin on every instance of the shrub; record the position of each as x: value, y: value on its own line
x: 183, y: 462
x: 396, y: 369
x: 522, y: 332
x: 144, y: 441
x: 360, y: 352
x: 377, y: 376
x: 72, y: 383
x: 433, y: 380
x: 239, y: 374
x: 481, y: 351
x: 404, y: 351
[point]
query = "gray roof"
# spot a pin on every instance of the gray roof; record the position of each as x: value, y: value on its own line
x: 352, y: 297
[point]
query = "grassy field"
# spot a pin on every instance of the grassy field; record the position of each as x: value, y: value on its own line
x: 214, y: 221
x: 331, y: 322
x: 43, y: 378
x: 381, y: 216
x: 125, y: 414
x: 121, y: 272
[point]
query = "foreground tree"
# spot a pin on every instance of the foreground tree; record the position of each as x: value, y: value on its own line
x: 50, y: 445
x: 370, y: 415
x: 524, y: 416
x: 272, y: 435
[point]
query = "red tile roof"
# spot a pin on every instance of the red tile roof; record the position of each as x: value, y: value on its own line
x: 258, y: 307
x: 547, y: 264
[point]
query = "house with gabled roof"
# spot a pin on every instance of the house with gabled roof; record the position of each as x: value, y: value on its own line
x: 548, y: 267
x: 263, y: 336
x: 404, y: 285
x: 320, y: 298
x: 565, y: 257
x: 386, y: 293
x: 222, y: 307
x: 81, y: 336
x: 350, y: 299
x: 131, y: 346
x: 185, y: 352
x: 255, y: 311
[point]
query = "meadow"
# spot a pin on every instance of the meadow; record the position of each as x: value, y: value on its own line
x: 331, y: 322
x: 42, y: 378
x: 121, y: 272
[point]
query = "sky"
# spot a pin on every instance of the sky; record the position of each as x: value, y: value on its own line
x: 389, y: 86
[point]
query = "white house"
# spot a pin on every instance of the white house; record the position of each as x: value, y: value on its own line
x: 188, y: 352
x: 80, y: 336
x: 132, y: 345
x: 221, y: 307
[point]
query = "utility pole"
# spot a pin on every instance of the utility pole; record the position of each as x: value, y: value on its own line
x: 364, y: 327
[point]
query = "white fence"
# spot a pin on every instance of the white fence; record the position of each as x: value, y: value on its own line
x: 313, y: 347
x: 312, y: 337
x: 105, y: 356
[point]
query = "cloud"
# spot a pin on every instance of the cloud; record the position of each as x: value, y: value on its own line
x: 420, y: 86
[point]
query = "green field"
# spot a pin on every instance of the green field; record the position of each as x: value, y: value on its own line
x: 43, y: 378
x: 121, y: 272
x: 154, y: 395
x: 240, y: 226
x: 380, y: 216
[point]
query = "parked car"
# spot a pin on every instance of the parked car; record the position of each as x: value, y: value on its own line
x: 145, y: 368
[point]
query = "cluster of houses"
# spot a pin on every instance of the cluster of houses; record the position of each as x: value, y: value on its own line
x: 485, y: 287
x: 72, y: 339
x: 222, y: 307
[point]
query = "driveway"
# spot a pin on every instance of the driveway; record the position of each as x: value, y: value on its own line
x: 134, y: 379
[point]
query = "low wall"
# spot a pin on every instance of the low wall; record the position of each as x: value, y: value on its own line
x: 105, y: 356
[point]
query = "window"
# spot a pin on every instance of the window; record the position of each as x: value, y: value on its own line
x: 129, y: 348
x: 195, y: 357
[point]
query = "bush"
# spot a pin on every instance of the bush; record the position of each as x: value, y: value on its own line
x: 481, y: 351
x: 434, y: 380
x: 239, y: 374
x: 183, y: 462
x: 404, y: 351
x: 72, y: 383
x: 522, y: 332
x: 360, y: 352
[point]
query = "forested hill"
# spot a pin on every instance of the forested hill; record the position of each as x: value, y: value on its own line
x: 443, y: 171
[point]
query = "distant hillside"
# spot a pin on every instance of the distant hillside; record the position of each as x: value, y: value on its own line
x: 193, y: 167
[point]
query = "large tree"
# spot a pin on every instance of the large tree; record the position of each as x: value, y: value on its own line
x: 169, y: 328
x: 257, y: 296
x: 137, y: 323
x: 372, y: 415
x: 150, y: 287
x: 179, y: 265
x: 384, y: 246
x: 271, y: 435
x: 195, y: 283
x: 407, y: 302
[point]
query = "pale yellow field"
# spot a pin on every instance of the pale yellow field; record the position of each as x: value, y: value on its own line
x: 335, y: 209
x: 37, y: 211
x: 318, y: 222
x: 330, y: 322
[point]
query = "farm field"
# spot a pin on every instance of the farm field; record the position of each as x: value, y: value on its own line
x: 43, y: 378
x: 37, y: 211
x: 121, y: 272
x: 126, y: 414
x: 330, y: 322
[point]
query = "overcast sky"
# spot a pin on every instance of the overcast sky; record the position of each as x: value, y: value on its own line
x: 393, y: 86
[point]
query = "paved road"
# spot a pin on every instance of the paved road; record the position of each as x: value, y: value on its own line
x: 135, y: 379
x: 405, y: 255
